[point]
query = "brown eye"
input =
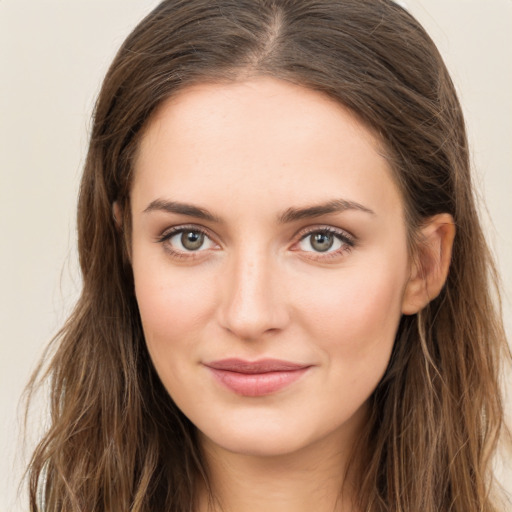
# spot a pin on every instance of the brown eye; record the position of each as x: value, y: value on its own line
x: 322, y: 242
x: 192, y: 240
x: 187, y: 240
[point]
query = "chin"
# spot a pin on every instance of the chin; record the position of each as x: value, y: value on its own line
x: 260, y: 443
x: 269, y: 437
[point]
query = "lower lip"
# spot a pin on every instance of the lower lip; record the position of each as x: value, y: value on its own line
x: 257, y: 384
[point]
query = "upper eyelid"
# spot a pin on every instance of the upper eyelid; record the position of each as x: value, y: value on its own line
x: 169, y: 232
x: 303, y: 232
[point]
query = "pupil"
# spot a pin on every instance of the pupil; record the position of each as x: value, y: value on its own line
x: 322, y: 242
x: 192, y: 240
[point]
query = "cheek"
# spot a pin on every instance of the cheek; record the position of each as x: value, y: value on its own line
x: 353, y: 317
x: 354, y: 327
x: 355, y: 302
x: 173, y: 306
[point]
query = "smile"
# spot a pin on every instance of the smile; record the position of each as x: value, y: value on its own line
x: 256, y: 378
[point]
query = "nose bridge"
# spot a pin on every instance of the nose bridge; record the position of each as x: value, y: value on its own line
x: 253, y: 304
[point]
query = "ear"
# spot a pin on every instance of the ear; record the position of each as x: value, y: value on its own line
x: 118, y: 215
x: 120, y: 221
x: 429, y: 268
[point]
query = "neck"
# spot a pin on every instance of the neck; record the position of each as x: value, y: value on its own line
x: 316, y: 478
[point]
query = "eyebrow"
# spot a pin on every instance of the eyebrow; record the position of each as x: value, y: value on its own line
x: 289, y: 215
x: 181, y: 208
x: 334, y: 206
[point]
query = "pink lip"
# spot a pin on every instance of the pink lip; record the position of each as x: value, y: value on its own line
x: 256, y: 378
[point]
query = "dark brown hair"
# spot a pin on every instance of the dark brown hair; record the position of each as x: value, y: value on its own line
x: 116, y: 441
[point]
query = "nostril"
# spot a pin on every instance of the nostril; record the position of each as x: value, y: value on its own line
x: 252, y: 313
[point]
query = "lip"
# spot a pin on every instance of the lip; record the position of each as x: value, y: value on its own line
x: 256, y: 378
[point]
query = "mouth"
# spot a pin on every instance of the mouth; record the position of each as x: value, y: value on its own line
x: 256, y: 378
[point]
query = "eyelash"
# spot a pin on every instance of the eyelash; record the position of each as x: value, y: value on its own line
x: 348, y: 241
x: 188, y: 255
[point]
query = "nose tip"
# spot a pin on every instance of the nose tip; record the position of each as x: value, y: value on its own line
x: 254, y: 303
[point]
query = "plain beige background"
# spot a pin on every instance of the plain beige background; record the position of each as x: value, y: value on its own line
x: 53, y: 55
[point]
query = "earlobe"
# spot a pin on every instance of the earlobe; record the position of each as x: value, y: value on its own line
x: 429, y: 269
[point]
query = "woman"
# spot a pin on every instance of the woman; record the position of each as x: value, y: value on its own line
x: 287, y: 299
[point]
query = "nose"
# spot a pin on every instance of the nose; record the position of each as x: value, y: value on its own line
x: 254, y: 302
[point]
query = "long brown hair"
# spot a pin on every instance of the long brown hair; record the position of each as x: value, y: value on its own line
x: 116, y: 441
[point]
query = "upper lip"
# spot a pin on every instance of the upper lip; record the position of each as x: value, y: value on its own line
x: 261, y: 366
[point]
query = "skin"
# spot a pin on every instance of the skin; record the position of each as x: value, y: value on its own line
x: 249, y: 153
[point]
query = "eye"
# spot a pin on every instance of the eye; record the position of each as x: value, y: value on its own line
x: 325, y: 241
x: 183, y: 240
x: 190, y: 240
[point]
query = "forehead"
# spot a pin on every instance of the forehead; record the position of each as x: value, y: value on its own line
x: 252, y: 105
x: 261, y: 139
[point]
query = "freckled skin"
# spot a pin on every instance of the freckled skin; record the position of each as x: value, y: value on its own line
x: 247, y: 152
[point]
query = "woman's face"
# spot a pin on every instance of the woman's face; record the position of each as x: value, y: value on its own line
x: 270, y: 260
